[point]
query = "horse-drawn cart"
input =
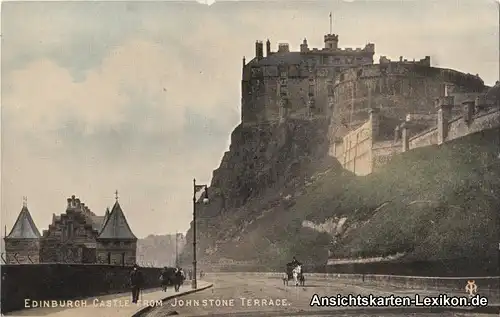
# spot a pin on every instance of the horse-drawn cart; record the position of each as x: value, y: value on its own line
x: 289, y: 275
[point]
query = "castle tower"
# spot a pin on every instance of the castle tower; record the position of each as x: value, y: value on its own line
x: 331, y: 42
x: 304, y: 47
x: 22, y: 245
x: 116, y: 244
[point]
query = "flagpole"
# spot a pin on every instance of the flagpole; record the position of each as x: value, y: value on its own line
x: 330, y: 22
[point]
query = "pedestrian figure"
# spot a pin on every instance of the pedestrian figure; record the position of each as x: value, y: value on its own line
x: 136, y: 281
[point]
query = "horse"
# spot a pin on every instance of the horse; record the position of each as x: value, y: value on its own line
x: 302, y: 279
x: 285, y: 279
x: 296, y: 273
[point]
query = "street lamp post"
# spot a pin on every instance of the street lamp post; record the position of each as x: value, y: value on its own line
x: 196, y: 189
x: 176, y: 249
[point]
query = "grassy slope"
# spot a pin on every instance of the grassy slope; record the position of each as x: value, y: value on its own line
x: 442, y: 203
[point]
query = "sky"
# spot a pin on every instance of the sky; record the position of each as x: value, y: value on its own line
x: 141, y: 97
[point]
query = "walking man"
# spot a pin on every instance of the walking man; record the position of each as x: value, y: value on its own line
x: 136, y: 281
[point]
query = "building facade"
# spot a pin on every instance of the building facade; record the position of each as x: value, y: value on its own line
x: 76, y: 236
x: 286, y: 84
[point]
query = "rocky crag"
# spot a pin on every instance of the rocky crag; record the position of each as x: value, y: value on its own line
x: 266, y: 166
x: 277, y: 194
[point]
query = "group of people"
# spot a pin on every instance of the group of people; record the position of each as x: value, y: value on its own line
x: 176, y: 278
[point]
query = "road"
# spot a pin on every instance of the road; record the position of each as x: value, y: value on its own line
x: 233, y: 295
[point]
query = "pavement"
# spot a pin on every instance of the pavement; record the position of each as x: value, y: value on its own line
x: 116, y: 305
x: 237, y: 295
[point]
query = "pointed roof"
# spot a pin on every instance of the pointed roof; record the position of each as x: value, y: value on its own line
x: 116, y: 226
x: 25, y: 227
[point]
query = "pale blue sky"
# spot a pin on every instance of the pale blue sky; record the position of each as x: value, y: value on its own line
x: 142, y: 96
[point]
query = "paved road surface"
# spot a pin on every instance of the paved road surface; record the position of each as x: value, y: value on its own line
x: 234, y: 295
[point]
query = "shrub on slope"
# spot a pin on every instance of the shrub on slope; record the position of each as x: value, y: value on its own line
x: 431, y: 203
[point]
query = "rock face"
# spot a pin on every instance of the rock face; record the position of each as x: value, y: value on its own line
x: 265, y: 167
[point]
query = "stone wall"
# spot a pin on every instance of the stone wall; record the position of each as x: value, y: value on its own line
x: 307, y: 73
x: 475, y: 117
x: 65, y: 282
x: 397, y: 89
x: 22, y: 251
x: 116, y: 252
x: 364, y: 150
x: 357, y: 156
x: 383, y: 152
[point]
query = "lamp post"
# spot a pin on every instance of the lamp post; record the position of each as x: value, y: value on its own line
x: 498, y: 5
x: 196, y: 189
x: 176, y: 249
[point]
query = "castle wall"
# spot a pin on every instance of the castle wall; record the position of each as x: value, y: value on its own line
x: 356, y: 152
x: 397, y: 88
x: 22, y: 251
x: 309, y: 73
x: 117, y: 252
x: 425, y: 138
x: 383, y: 152
x: 457, y: 127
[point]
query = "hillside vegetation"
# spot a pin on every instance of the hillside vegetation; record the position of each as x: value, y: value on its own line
x: 433, y: 203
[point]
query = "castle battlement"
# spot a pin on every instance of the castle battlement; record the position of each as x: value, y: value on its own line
x: 424, y: 61
x: 362, y: 150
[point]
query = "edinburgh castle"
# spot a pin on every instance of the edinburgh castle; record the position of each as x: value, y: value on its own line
x: 375, y: 110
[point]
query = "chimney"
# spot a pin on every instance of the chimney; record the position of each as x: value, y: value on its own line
x: 268, y: 48
x: 259, y: 50
x: 283, y: 48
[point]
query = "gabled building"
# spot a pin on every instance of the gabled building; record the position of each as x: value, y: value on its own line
x: 22, y: 244
x: 116, y: 244
x: 76, y: 236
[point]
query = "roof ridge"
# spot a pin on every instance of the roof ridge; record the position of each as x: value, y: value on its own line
x: 24, y: 227
x: 111, y: 228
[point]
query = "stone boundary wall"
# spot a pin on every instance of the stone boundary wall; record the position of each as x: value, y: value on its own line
x: 487, y: 285
x: 65, y: 282
x: 475, y: 117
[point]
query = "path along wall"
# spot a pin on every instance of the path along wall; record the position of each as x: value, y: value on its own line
x: 65, y: 282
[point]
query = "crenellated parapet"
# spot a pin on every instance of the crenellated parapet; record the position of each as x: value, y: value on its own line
x: 453, y: 121
x: 263, y: 76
